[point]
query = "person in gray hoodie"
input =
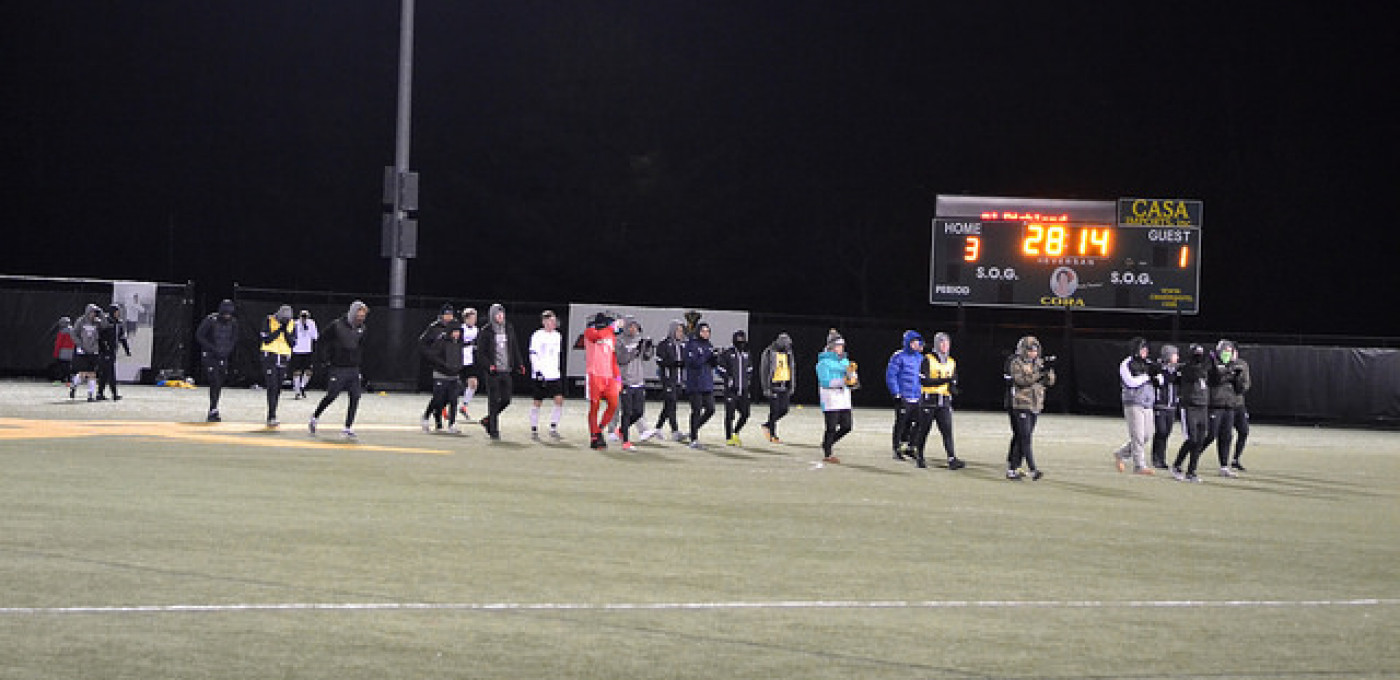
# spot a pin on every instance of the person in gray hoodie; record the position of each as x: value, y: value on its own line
x: 87, y: 346
x: 670, y: 358
x: 499, y: 353
x: 777, y: 374
x: 343, y: 347
x: 633, y: 353
x: 1135, y: 375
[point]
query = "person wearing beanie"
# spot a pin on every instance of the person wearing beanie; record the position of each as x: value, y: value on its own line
x: 303, y: 353
x: 902, y: 380
x: 1166, y: 401
x: 1195, y: 412
x: 498, y: 349
x: 833, y: 385
x: 604, y: 378
x: 87, y: 346
x: 546, y: 348
x: 1241, y: 417
x: 938, y: 382
x: 670, y: 359
x: 112, y: 336
x: 778, y: 376
x: 633, y: 352
x: 1228, y: 381
x: 1135, y: 375
x: 1029, y: 376
x: 471, y: 369
x: 278, y: 337
x: 344, y: 351
x: 217, y: 337
x: 63, y: 347
x: 735, y: 369
x: 700, y: 362
x: 428, y: 346
x: 444, y: 358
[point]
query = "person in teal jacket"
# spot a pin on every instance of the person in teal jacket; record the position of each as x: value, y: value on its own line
x: 832, y: 371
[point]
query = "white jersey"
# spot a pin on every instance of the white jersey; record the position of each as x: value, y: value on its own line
x: 469, y: 334
x: 544, y: 353
x: 306, y: 335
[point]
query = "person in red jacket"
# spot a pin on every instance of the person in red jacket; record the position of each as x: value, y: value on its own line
x: 63, y: 347
x: 604, y: 378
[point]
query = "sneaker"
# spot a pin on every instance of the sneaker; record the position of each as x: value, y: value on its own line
x: 427, y: 425
x: 1121, y: 465
x: 91, y: 398
x: 628, y: 446
x: 348, y: 433
x: 554, y: 433
x: 832, y: 460
x: 920, y: 463
x: 1192, y: 478
x: 956, y: 463
x: 1227, y: 472
x: 1177, y: 474
x: 595, y: 441
x: 676, y: 436
x: 898, y: 454
x: 463, y: 411
x: 613, y: 436
x: 72, y: 392
x: 535, y: 435
x: 695, y: 444
x: 1146, y: 471
x: 213, y: 416
x: 272, y: 422
x: 101, y: 397
x: 1014, y: 475
x: 647, y: 434
x: 311, y: 425
x: 1036, y: 475
x: 1236, y: 466
x: 118, y: 397
x: 732, y: 441
x: 767, y: 432
x: 453, y: 429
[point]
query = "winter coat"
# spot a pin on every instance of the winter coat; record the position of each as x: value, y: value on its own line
x: 700, y: 361
x: 735, y: 371
x: 632, y: 355
x: 1029, y: 378
x: 831, y: 381
x: 768, y: 364
x: 902, y: 372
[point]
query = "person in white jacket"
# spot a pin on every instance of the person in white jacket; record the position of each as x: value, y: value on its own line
x: 545, y: 347
x: 1135, y: 374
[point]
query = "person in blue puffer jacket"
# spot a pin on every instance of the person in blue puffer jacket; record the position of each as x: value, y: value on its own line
x: 902, y: 379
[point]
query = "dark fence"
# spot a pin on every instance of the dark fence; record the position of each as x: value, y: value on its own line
x: 1297, y: 378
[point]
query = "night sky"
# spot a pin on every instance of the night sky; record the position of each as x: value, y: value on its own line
x: 773, y: 156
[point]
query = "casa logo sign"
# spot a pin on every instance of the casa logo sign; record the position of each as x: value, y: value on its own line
x: 1159, y: 212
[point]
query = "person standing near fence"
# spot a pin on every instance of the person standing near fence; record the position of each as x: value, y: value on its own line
x: 834, y: 388
x: 1135, y: 376
x: 428, y: 344
x: 602, y: 375
x: 303, y: 353
x: 1228, y: 381
x: 444, y: 356
x: 113, y: 335
x: 217, y: 336
x: 1029, y: 378
x: 938, y: 382
x: 1166, y: 401
x: 278, y: 337
x: 63, y: 347
x: 343, y: 349
x: 735, y: 368
x: 633, y: 354
x: 700, y: 361
x: 778, y: 375
x: 498, y: 349
x: 670, y: 359
x: 87, y: 346
x: 546, y: 350
x: 1242, y: 385
x: 1195, y: 413
x: 471, y: 370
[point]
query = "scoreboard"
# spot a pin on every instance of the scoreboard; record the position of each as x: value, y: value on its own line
x: 1129, y: 255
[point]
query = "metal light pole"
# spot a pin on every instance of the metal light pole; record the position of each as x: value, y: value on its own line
x: 400, y: 231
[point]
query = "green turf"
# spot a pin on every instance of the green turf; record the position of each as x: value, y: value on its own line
x: 136, y: 543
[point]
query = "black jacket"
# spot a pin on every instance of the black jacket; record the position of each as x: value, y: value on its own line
x: 217, y: 337
x: 341, y: 344
x: 486, y: 350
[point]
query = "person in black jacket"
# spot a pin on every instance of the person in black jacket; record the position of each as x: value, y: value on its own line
x: 1195, y: 414
x: 444, y: 355
x: 217, y: 336
x: 113, y: 335
x: 700, y: 361
x: 1167, y: 386
x: 1227, y: 382
x: 342, y: 347
x: 498, y: 352
x: 670, y: 358
x: 735, y: 369
x: 778, y: 375
x: 427, y: 341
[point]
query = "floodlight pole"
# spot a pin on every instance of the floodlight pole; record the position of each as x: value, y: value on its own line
x: 398, y: 264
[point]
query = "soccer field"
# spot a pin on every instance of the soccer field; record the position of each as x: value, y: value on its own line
x: 139, y: 542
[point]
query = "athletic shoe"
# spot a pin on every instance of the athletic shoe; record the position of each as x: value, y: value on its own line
x: 767, y: 432
x: 1191, y: 477
x: 628, y: 446
x: 1014, y: 475
x: 348, y: 433
x: 647, y: 434
x: 272, y: 422
x: 1147, y: 471
x: 72, y: 392
x: 311, y: 425
x: 118, y: 397
x: 463, y: 411
x: 832, y: 459
x: 732, y: 441
x: 1237, y: 467
x: 613, y: 436
x: 695, y: 444
x: 213, y: 416
x: 101, y: 397
x: 1036, y: 475
x: 1121, y: 465
x: 453, y: 429
x: 427, y: 425
x: 91, y: 398
x: 595, y: 441
x: 554, y: 433
x: 956, y: 464
x: 1160, y: 466
x: 676, y: 436
x: 1227, y: 472
x: 1177, y: 474
x: 919, y: 463
x: 898, y: 454
x: 535, y: 435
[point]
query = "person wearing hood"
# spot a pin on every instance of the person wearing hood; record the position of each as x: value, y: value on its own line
x: 1166, y: 401
x: 87, y: 346
x: 902, y: 379
x: 735, y: 368
x: 444, y: 358
x: 778, y: 376
x: 1195, y: 412
x: 303, y: 352
x: 1242, y: 385
x: 1029, y: 376
x: 670, y: 358
x: 501, y: 357
x: 604, y: 378
x: 700, y: 362
x: 63, y: 347
x: 113, y: 335
x: 217, y: 337
x: 428, y: 345
x: 834, y: 388
x: 1229, y: 380
x: 633, y: 352
x: 546, y: 348
x: 938, y: 382
x: 278, y: 337
x: 343, y: 346
x: 1136, y: 374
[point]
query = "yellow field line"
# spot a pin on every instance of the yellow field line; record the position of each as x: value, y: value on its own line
x: 235, y: 434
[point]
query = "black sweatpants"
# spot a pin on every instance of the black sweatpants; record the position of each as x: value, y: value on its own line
x: 778, y: 406
x: 906, y: 424
x: 670, y: 396
x: 274, y: 370
x: 342, y: 379
x: 446, y: 391
x: 498, y: 392
x: 215, y: 374
x: 1022, y: 432
x: 1162, y: 420
x: 634, y: 408
x: 930, y: 414
x: 1195, y: 424
x: 838, y: 425
x: 735, y: 404
x: 1241, y: 430
x: 702, y: 406
x: 1222, y: 433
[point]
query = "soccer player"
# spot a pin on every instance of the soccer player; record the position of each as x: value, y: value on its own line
x: 498, y: 350
x: 343, y: 348
x: 604, y: 379
x: 700, y: 361
x: 303, y: 356
x: 546, y: 345
x: 1195, y: 413
x: 670, y: 359
x: 1167, y: 399
x: 633, y: 353
x: 428, y: 343
x: 778, y: 376
x: 278, y: 337
x: 938, y: 382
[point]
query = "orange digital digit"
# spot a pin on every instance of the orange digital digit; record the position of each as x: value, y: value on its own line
x: 1035, y: 235
x: 972, y: 249
x: 1185, y: 255
x: 1055, y: 241
x: 1101, y: 239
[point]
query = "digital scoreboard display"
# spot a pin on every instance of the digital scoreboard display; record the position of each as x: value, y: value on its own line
x: 1132, y: 255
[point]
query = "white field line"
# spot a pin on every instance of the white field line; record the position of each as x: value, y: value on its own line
x: 699, y: 606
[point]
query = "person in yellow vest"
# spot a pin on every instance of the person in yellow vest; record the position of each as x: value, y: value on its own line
x: 938, y: 382
x: 779, y: 380
x: 278, y: 336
